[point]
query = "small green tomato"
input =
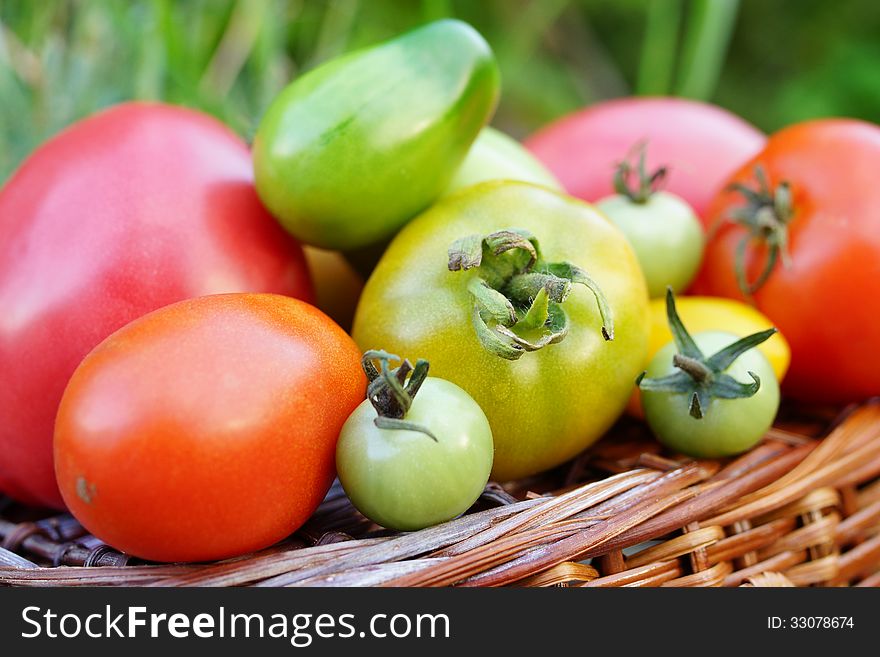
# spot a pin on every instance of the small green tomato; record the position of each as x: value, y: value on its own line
x: 409, y: 462
x: 662, y: 228
x: 709, y: 407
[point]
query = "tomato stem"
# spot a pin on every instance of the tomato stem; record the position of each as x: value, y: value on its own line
x: 699, y: 377
x: 392, y: 391
x: 765, y: 216
x: 518, y: 296
x: 646, y: 185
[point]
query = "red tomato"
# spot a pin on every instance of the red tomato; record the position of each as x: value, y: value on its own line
x: 827, y: 301
x: 208, y: 428
x: 701, y: 144
x: 132, y: 209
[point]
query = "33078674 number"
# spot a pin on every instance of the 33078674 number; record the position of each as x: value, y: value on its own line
x: 820, y: 622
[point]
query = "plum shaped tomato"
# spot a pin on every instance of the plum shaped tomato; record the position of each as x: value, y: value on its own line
x: 410, y: 461
x: 709, y: 406
x: 353, y: 149
x: 797, y: 233
x: 134, y: 208
x: 506, y: 288
x: 207, y: 428
x: 664, y: 231
x: 701, y: 143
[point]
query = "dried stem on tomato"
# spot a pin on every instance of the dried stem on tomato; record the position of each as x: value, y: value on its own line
x: 518, y: 297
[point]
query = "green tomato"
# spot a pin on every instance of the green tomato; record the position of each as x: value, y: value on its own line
x: 666, y: 235
x: 728, y: 426
x: 404, y: 479
x: 549, y: 403
x: 495, y: 156
x: 349, y: 152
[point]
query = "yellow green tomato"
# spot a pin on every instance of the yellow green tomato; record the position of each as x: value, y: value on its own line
x: 511, y: 291
x: 350, y: 151
x: 495, y: 156
x: 419, y: 470
x: 711, y: 394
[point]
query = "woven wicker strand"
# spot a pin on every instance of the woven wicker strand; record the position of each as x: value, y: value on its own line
x: 794, y: 511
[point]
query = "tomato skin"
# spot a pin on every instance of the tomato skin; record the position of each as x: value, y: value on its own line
x: 728, y: 426
x: 353, y: 149
x: 134, y: 208
x: 825, y: 302
x: 207, y: 428
x: 403, y: 479
x: 550, y: 404
x: 496, y: 156
x: 702, y: 145
x: 665, y: 234
x: 337, y: 285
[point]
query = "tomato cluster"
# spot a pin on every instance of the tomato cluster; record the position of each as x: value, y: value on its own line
x: 168, y: 378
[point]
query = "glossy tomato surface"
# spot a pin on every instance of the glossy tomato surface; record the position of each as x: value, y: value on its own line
x: 353, y: 149
x: 551, y: 403
x: 826, y: 302
x: 701, y: 144
x: 132, y: 209
x: 207, y: 428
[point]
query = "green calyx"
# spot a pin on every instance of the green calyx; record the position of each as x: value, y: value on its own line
x: 645, y: 184
x: 517, y: 296
x: 765, y: 216
x: 391, y: 391
x: 702, y: 378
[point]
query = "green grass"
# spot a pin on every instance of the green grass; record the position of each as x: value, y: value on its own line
x: 63, y: 59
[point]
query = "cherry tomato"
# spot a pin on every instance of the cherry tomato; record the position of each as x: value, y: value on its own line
x: 713, y: 314
x: 710, y: 395
x: 129, y: 210
x: 702, y: 144
x: 410, y: 468
x: 809, y: 235
x: 540, y: 368
x: 661, y: 227
x: 206, y: 429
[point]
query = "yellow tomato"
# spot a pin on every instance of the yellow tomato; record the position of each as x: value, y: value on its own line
x: 713, y: 314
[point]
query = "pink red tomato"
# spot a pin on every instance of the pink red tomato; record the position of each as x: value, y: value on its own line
x: 132, y: 209
x: 701, y: 144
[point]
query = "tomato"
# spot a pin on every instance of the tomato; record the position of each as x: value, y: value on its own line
x: 412, y: 465
x: 710, y: 395
x: 337, y: 285
x: 819, y: 205
x: 129, y: 210
x: 702, y: 144
x: 495, y: 156
x: 662, y: 228
x: 352, y: 150
x: 714, y: 314
x: 566, y: 384
x: 206, y: 429
x: 718, y: 314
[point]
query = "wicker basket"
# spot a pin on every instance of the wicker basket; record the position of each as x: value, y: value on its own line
x: 797, y: 510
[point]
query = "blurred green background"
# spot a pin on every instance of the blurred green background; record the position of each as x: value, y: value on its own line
x: 771, y: 62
